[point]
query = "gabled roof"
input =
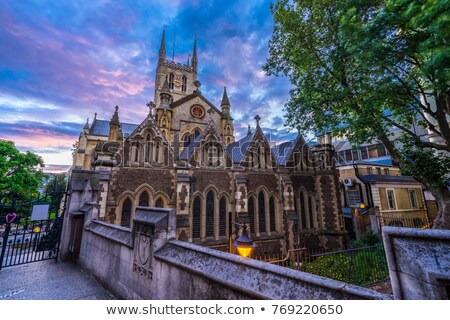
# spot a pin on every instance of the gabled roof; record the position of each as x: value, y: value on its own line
x: 192, y: 96
x: 187, y: 151
x: 190, y: 149
x: 238, y: 149
x: 283, y: 151
x: 101, y: 128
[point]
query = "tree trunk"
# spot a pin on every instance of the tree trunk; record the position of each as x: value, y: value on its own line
x: 442, y: 196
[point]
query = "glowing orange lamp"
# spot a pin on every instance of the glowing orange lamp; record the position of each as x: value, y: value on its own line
x: 244, y: 245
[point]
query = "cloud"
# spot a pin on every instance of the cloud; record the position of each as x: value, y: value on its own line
x: 62, y: 61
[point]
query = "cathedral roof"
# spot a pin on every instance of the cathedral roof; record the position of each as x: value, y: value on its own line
x: 187, y: 151
x: 101, y: 128
x: 238, y: 149
x: 283, y: 151
x: 191, y: 96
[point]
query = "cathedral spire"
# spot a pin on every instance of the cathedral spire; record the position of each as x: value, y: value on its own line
x: 162, y: 48
x: 225, y: 104
x: 225, y: 100
x: 194, y: 60
x: 114, y: 126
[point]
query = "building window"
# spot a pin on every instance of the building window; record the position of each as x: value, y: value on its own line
x: 210, y: 214
x: 372, y: 151
x: 378, y: 170
x: 355, y: 155
x: 262, y: 212
x: 303, y: 211
x: 196, y: 218
x: 369, y: 170
x: 348, y: 155
x: 136, y: 152
x: 171, y: 81
x: 386, y: 171
x: 223, y: 217
x: 412, y: 199
x: 144, y: 199
x: 353, y: 198
x: 159, y: 203
x: 147, y: 149
x: 184, y: 85
x: 311, y: 206
x: 272, y: 215
x: 364, y: 154
x: 126, y: 213
x: 391, y: 199
x: 157, y: 152
x: 251, y: 213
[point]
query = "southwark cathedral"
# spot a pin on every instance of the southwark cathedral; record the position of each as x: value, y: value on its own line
x: 184, y: 155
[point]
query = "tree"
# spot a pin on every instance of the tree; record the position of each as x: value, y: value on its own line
x: 20, y: 173
x: 55, y: 188
x: 361, y: 68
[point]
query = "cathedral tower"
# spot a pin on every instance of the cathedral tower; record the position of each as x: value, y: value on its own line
x: 180, y: 77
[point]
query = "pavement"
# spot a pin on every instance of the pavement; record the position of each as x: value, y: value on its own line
x: 50, y: 280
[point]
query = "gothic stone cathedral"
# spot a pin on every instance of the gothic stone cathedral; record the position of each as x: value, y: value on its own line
x: 184, y: 155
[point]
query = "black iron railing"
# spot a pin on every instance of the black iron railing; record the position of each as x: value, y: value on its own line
x: 360, y: 266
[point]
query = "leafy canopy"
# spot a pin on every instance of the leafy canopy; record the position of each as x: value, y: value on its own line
x: 359, y: 68
x: 20, y: 174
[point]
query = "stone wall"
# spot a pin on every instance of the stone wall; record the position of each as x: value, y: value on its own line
x: 147, y: 263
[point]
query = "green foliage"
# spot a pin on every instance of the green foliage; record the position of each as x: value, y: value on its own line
x: 360, y: 267
x: 54, y: 188
x: 362, y: 68
x: 20, y: 173
x: 369, y: 238
x: 423, y: 163
x: 358, y: 67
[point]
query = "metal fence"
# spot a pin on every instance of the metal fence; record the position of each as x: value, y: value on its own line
x: 359, y: 266
x: 406, y: 222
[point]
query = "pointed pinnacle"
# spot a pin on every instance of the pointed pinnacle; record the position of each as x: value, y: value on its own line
x: 225, y: 100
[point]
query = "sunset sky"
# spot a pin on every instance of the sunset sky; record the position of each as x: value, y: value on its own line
x: 62, y: 61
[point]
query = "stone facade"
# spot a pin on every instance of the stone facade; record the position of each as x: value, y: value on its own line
x: 184, y: 156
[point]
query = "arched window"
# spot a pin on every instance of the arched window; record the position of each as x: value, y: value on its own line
x: 303, y: 211
x: 171, y: 81
x: 136, y: 151
x: 126, y: 213
x: 157, y: 152
x: 148, y: 146
x: 159, y: 203
x: 187, y: 140
x: 223, y: 217
x: 144, y: 199
x: 311, y: 212
x: 196, y: 133
x: 210, y: 214
x: 272, y: 214
x: 262, y: 212
x: 251, y: 213
x: 196, y: 218
x: 184, y: 85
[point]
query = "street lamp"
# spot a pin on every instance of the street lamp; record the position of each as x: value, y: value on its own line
x: 244, y: 245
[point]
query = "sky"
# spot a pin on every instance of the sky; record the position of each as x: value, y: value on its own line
x: 63, y: 61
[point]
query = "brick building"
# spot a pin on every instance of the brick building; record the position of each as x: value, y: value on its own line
x: 184, y: 155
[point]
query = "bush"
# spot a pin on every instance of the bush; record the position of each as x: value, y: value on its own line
x: 369, y: 238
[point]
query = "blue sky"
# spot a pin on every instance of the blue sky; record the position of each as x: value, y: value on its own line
x: 62, y: 61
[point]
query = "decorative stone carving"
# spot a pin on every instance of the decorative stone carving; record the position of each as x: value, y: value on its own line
x: 143, y: 254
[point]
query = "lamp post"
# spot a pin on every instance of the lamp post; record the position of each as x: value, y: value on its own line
x: 243, y: 244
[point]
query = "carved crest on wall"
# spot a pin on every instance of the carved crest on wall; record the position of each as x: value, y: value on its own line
x: 143, y: 253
